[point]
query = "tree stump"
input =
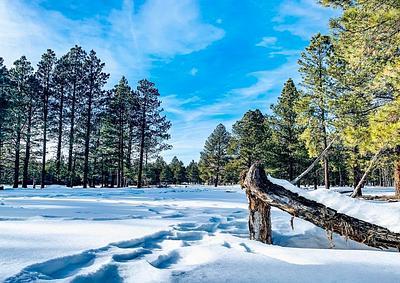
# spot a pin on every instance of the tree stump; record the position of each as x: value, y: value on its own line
x: 259, y: 219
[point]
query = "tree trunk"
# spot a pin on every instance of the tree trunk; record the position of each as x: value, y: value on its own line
x: 259, y: 219
x: 315, y: 162
x: 87, y: 140
x: 45, y: 114
x: 357, y: 190
x: 59, y: 138
x: 397, y: 172
x: 326, y: 173
x: 27, y: 149
x: 16, y: 160
x: 257, y: 183
x: 139, y: 184
x: 71, y: 138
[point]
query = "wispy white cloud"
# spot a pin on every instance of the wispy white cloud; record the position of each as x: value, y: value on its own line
x: 267, y: 41
x: 268, y: 80
x: 129, y: 39
x: 303, y: 18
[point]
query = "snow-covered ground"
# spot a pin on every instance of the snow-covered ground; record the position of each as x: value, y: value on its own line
x: 196, y: 234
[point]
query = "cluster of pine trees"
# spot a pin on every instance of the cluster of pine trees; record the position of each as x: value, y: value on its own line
x: 59, y: 125
x: 348, y: 102
x: 159, y: 173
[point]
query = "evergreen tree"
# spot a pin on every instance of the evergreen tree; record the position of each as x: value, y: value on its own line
x: 44, y: 75
x: 32, y: 103
x: 58, y: 109
x: 289, y: 151
x: 152, y: 125
x: 95, y: 79
x: 214, y: 156
x: 4, y: 114
x: 193, y: 173
x: 368, y: 39
x: 250, y: 139
x: 21, y: 74
x: 75, y: 88
x: 314, y: 110
x: 167, y: 175
x: 178, y: 170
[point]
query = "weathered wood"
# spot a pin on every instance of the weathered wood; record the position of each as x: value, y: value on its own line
x: 259, y: 219
x: 315, y: 162
x: 257, y: 184
x: 357, y: 190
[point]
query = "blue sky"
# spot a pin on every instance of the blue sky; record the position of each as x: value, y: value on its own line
x: 212, y: 60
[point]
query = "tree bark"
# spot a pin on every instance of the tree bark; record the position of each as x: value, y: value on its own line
x: 257, y: 183
x: 87, y: 139
x: 71, y: 138
x: 45, y: 114
x: 397, y: 172
x: 59, y: 138
x: 16, y: 160
x: 259, y: 219
x: 142, y: 137
x: 27, y: 149
x: 357, y: 190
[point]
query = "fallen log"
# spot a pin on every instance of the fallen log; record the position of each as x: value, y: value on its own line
x: 260, y: 190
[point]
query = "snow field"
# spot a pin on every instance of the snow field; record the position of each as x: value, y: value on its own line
x: 196, y: 234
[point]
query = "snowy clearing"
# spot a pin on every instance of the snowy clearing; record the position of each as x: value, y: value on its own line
x: 196, y: 234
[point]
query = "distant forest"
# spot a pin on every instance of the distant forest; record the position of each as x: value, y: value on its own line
x: 60, y: 126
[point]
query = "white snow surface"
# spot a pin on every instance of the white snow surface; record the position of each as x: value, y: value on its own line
x: 194, y: 234
x: 380, y: 213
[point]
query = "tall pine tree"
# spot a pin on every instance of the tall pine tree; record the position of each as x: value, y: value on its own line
x: 215, y: 156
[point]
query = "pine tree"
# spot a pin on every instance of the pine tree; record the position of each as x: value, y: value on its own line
x: 32, y: 104
x: 152, y: 125
x: 58, y: 109
x: 75, y: 77
x: 289, y: 151
x: 314, y: 111
x: 44, y: 76
x: 167, y: 177
x: 95, y: 79
x: 21, y: 73
x: 250, y: 139
x: 193, y: 173
x: 215, y: 156
x: 178, y: 170
x: 368, y: 40
x: 4, y: 114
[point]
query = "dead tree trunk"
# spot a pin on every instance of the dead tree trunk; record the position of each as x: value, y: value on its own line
x: 357, y: 190
x: 259, y: 187
x: 315, y: 162
x: 259, y: 219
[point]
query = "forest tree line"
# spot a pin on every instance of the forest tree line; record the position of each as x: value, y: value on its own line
x: 59, y: 125
x: 348, y: 101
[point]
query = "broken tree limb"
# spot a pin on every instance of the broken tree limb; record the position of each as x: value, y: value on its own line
x: 315, y: 162
x: 357, y: 190
x: 260, y: 189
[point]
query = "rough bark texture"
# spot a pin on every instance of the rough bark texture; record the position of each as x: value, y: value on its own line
x: 259, y: 219
x: 257, y: 184
x: 397, y: 172
x: 27, y: 149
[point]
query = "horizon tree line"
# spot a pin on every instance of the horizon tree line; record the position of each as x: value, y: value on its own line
x: 59, y: 125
